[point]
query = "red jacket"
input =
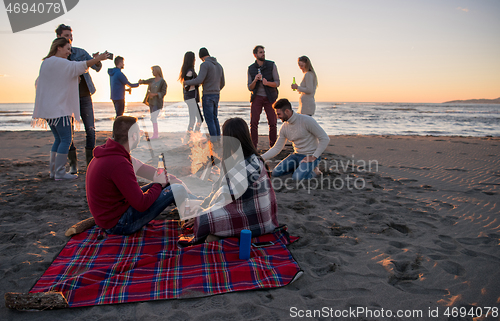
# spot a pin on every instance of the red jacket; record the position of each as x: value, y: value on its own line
x: 112, y: 186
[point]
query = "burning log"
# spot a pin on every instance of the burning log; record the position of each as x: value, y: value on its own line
x: 202, y: 156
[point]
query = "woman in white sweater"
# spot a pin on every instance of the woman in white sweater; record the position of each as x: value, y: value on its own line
x: 57, y: 101
x: 307, y: 88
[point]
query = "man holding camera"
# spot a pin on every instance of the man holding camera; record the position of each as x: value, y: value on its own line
x: 86, y: 89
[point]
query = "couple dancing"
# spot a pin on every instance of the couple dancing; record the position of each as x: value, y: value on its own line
x: 157, y: 89
x: 211, y: 76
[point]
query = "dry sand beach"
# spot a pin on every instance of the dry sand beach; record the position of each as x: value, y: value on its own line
x: 417, y: 229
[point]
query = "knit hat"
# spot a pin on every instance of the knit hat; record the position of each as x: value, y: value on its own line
x: 203, y: 52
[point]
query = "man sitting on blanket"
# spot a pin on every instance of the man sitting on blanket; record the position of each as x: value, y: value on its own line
x: 308, y: 138
x: 117, y: 202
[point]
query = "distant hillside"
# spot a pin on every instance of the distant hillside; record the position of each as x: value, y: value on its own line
x: 474, y: 101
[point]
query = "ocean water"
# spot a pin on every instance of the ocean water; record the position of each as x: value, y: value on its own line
x: 336, y: 118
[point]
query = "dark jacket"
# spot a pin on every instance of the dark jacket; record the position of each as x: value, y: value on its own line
x: 79, y: 54
x: 267, y: 72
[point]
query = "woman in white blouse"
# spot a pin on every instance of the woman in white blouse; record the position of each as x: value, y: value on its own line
x: 307, y: 88
x: 57, y: 101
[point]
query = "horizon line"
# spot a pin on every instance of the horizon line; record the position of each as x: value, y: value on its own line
x: 292, y: 101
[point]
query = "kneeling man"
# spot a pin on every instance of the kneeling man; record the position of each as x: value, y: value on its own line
x: 116, y: 201
x: 309, y: 141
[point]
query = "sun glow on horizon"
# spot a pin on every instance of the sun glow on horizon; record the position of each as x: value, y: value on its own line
x: 362, y: 52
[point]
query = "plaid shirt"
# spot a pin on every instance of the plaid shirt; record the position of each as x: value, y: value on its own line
x: 243, y: 199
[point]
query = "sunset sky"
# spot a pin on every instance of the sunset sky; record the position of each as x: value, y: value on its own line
x: 364, y: 51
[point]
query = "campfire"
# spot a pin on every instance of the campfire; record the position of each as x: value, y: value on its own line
x: 203, y: 157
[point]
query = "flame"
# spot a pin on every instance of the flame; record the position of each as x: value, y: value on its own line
x: 211, y: 148
x: 200, y: 149
x: 203, y: 155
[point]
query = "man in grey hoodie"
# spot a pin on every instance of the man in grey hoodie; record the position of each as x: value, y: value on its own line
x: 211, y: 75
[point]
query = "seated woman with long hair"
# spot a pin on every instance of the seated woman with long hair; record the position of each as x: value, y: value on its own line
x: 243, y: 196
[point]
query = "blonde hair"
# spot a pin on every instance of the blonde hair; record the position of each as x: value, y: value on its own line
x: 58, y: 42
x: 157, y: 69
x: 309, y: 67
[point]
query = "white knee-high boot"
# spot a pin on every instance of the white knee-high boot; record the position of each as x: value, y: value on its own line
x: 60, y: 168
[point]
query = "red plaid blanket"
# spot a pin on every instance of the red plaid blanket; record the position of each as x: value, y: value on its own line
x: 148, y: 265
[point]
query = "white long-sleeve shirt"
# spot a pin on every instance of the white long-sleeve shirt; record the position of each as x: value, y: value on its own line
x: 307, y: 89
x: 306, y: 135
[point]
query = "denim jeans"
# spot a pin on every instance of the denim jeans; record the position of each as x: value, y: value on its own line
x: 63, y: 135
x: 87, y: 115
x: 292, y: 164
x: 210, y: 111
x: 133, y: 220
x: 119, y: 107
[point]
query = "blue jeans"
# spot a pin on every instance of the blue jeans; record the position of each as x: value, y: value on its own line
x: 210, y: 110
x: 292, y: 164
x: 87, y: 114
x: 63, y: 135
x: 119, y: 106
x: 133, y: 220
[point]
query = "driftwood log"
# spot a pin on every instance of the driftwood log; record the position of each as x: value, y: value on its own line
x: 80, y: 227
x: 35, y: 301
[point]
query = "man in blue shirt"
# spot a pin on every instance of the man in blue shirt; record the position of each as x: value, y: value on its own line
x: 118, y: 81
x: 86, y: 89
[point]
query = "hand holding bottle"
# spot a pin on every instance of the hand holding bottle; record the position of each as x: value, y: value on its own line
x: 161, y: 178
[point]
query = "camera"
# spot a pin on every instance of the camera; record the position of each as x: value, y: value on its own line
x: 110, y: 56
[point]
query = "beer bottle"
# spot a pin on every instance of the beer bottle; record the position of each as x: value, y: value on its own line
x: 161, y: 164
